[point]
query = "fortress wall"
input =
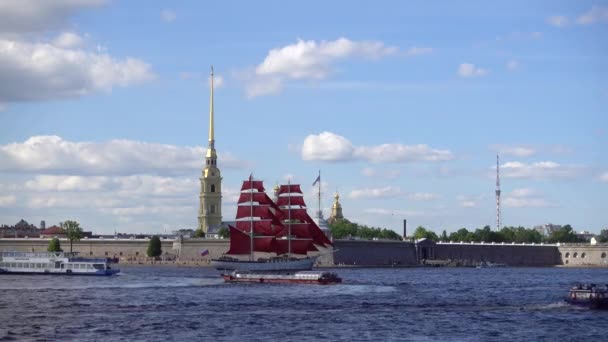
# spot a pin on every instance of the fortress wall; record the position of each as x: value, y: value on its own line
x: 188, y: 250
x: 514, y: 255
x: 110, y: 248
x: 583, y: 255
x: 349, y: 252
x: 374, y: 253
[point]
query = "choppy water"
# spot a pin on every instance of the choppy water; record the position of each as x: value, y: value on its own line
x: 173, y: 303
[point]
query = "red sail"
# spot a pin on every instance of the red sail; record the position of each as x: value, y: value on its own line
x: 240, y: 243
x: 295, y: 214
x: 317, y: 234
x: 297, y: 246
x: 290, y: 188
x: 254, y: 211
x: 290, y: 200
x: 259, y: 197
x: 257, y: 185
x: 299, y: 230
x: 264, y: 227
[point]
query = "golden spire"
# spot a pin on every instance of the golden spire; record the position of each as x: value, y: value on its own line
x: 211, y: 138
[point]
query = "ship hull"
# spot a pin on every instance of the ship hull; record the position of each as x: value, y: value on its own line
x: 96, y: 273
x: 317, y: 278
x: 274, y: 265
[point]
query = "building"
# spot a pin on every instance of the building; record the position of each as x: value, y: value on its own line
x: 19, y: 230
x: 210, y: 209
x: 53, y: 232
x: 336, y: 211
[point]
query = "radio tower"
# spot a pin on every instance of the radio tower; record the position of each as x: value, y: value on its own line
x: 498, y: 218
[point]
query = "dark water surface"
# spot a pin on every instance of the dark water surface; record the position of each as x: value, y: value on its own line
x: 182, y: 303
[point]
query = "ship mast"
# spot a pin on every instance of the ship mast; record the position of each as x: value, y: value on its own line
x: 251, y: 217
x: 498, y: 213
x: 319, y: 197
x: 289, y: 218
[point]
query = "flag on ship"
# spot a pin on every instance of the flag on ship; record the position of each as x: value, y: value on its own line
x: 205, y: 252
x: 317, y: 180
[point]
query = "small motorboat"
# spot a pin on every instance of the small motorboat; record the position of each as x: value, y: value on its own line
x: 300, y: 277
x: 589, y: 295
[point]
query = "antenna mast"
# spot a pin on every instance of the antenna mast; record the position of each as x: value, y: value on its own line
x: 498, y: 214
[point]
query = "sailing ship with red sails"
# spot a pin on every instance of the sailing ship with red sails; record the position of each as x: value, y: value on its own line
x: 272, y: 236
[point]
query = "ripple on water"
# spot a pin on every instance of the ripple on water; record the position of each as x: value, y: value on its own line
x: 168, y: 303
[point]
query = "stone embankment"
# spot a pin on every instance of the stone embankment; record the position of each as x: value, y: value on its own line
x: 346, y: 253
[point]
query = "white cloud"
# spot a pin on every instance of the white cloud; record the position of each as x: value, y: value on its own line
x: 42, y: 71
x: 423, y: 196
x: 168, y: 15
x: 513, y: 65
x: 525, y: 198
x: 386, y: 212
x: 266, y: 86
x: 27, y: 16
x: 7, y: 200
x: 558, y: 20
x: 470, y: 70
x: 395, y: 153
x: 54, y: 155
x: 328, y: 146
x: 385, y: 192
x: 596, y: 14
x: 513, y: 202
x: 468, y: 204
x: 218, y: 81
x: 604, y: 177
x: 515, y: 151
x: 66, y: 183
x: 538, y: 170
x: 383, y: 173
x: 312, y: 60
x: 68, y: 40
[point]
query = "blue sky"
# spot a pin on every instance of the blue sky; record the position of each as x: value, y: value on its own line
x: 401, y: 105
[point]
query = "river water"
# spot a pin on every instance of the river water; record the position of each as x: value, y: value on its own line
x: 194, y: 304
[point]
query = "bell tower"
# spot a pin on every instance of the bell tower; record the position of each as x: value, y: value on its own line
x: 210, y: 209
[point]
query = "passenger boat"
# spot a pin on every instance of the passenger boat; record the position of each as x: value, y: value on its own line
x: 282, y: 231
x: 300, y: 277
x: 491, y: 265
x: 589, y: 295
x: 53, y: 263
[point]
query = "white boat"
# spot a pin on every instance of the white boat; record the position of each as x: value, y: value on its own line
x: 282, y: 229
x: 53, y: 263
x: 491, y: 265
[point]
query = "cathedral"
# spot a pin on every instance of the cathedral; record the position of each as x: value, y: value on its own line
x: 210, y: 209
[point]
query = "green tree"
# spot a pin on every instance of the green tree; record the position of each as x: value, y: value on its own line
x: 461, y: 235
x: 54, y: 246
x: 564, y: 234
x: 603, y: 237
x: 154, y: 247
x: 423, y: 233
x: 342, y: 229
x: 72, y: 231
x: 444, y: 236
x: 199, y: 233
x: 224, y: 233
